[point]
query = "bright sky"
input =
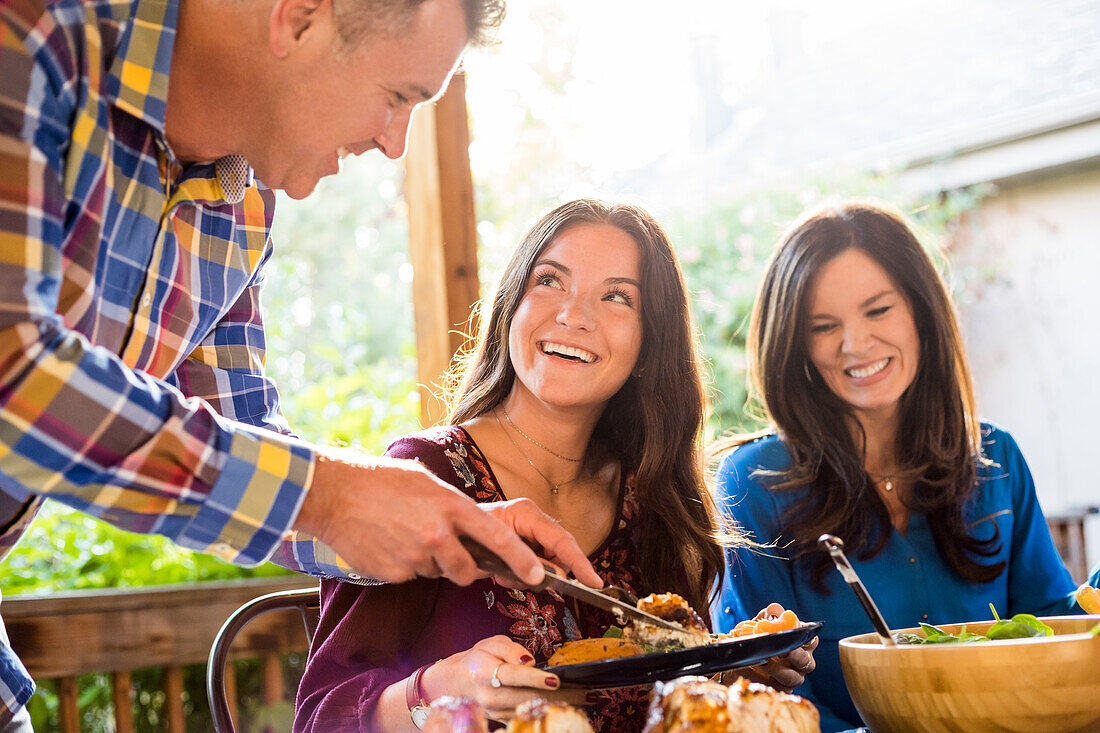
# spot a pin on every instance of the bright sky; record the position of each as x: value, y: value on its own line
x: 633, y: 91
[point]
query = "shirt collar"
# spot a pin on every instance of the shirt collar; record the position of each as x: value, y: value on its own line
x: 138, y: 79
x: 138, y: 84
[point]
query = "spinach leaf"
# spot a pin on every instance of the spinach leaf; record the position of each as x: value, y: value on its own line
x: 1021, y: 626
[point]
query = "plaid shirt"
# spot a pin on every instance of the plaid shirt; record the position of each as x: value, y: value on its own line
x: 132, y: 381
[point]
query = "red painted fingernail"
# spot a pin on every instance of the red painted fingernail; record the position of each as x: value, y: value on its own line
x: 552, y: 682
x: 526, y: 659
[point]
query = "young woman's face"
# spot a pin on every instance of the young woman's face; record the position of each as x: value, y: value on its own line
x: 576, y: 335
x: 862, y: 337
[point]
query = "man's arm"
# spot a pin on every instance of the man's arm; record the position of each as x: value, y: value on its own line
x: 77, y: 423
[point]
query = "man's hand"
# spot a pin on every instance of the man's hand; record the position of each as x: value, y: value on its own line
x: 393, y: 520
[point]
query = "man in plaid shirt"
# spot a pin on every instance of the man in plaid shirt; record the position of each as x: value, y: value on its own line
x: 140, y: 141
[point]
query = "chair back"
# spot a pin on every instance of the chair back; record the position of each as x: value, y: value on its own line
x: 306, y: 601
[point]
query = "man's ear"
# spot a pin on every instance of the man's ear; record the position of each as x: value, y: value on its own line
x: 293, y: 22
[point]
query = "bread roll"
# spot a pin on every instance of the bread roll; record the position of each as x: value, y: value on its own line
x: 456, y: 715
x: 697, y: 705
x: 539, y: 716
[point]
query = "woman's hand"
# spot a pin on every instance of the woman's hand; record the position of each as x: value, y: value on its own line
x: 472, y: 674
x: 784, y: 672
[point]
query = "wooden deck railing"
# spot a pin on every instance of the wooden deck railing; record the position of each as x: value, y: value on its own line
x: 64, y: 635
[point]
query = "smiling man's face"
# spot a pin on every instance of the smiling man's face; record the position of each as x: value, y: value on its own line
x: 328, y: 101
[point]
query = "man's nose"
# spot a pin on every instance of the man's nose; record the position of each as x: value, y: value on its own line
x: 394, y: 138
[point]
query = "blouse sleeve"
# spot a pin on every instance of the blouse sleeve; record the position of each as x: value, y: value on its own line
x: 359, y: 650
x: 363, y: 642
x: 754, y: 577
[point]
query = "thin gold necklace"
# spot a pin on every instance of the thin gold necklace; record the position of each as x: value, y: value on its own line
x: 532, y: 440
x: 554, y: 488
x: 886, y: 481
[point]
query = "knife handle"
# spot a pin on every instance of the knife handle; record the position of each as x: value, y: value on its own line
x: 491, y: 562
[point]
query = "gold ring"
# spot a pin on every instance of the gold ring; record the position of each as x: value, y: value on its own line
x: 495, y: 681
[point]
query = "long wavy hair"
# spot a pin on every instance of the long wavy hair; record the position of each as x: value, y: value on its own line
x: 652, y: 426
x: 938, y: 444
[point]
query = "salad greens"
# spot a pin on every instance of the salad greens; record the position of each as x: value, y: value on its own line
x: 1020, y: 626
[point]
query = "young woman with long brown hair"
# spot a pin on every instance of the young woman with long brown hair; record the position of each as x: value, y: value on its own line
x: 856, y: 358
x: 584, y: 394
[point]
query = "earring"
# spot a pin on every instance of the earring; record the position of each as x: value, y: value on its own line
x: 637, y: 373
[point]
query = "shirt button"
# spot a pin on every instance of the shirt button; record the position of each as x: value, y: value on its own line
x: 222, y: 547
x: 146, y: 300
x: 924, y: 616
x: 729, y: 610
x: 355, y: 576
x: 912, y: 559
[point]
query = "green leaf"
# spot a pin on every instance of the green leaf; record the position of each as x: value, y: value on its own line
x: 1006, y: 629
x: 900, y: 638
x: 936, y: 635
x: 1033, y: 622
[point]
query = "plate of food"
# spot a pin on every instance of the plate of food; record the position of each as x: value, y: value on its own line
x: 644, y: 654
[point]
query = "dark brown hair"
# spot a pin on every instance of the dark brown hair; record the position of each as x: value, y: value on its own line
x: 938, y: 444
x: 356, y: 20
x: 658, y: 438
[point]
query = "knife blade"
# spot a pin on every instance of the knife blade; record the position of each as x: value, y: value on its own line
x: 490, y: 562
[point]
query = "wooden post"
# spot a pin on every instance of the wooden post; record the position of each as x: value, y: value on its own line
x: 173, y: 699
x: 439, y: 191
x: 231, y: 693
x: 68, y: 710
x: 121, y: 691
x: 272, y: 678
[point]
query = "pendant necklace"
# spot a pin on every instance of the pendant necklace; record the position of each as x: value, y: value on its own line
x: 887, y: 482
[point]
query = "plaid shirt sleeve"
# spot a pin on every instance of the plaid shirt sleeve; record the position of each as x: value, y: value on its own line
x: 79, y: 425
x: 227, y: 368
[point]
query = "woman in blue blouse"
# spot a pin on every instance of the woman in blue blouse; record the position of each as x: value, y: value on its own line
x: 856, y: 357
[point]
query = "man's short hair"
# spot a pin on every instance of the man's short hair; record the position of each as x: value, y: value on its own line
x: 357, y: 20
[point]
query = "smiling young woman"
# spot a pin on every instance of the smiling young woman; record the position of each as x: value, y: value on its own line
x: 583, y: 394
x: 856, y: 357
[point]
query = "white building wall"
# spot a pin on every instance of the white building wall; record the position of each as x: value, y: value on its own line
x: 1027, y: 267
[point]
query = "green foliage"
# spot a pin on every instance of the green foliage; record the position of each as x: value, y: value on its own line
x: 67, y: 550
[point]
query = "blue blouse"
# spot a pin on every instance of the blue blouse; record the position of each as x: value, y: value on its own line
x: 908, y: 580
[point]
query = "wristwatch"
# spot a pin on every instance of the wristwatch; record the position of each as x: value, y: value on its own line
x: 414, y: 698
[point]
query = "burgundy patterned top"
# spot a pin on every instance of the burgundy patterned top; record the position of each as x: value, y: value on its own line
x: 371, y: 637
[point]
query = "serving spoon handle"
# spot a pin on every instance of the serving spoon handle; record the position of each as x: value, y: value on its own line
x: 835, y: 547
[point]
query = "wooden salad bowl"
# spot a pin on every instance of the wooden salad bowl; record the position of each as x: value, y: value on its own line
x: 1049, y: 683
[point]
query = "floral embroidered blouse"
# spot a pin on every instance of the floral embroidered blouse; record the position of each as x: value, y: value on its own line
x: 372, y: 636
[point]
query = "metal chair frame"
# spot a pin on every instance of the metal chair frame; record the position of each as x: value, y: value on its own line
x: 305, y: 601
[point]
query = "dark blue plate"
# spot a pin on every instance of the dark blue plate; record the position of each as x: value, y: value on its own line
x: 644, y: 669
